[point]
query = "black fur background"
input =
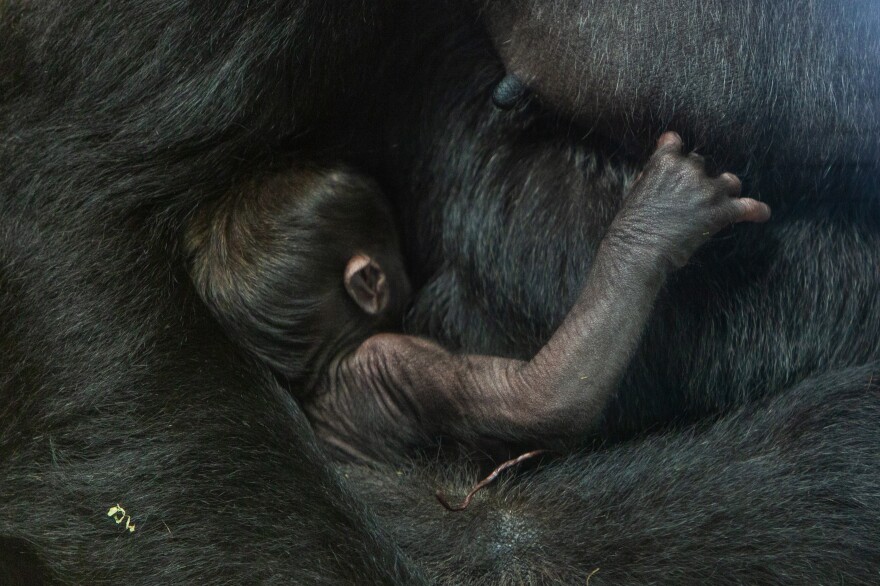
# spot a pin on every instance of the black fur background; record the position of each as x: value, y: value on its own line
x: 744, y: 444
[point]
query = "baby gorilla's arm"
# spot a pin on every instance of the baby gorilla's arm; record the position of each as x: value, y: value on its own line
x: 395, y: 391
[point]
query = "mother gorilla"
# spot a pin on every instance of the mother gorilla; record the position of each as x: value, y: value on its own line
x: 744, y: 443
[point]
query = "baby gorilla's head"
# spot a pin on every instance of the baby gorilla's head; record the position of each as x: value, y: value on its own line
x: 300, y: 266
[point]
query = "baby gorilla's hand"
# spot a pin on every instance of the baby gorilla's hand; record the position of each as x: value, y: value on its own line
x: 674, y: 207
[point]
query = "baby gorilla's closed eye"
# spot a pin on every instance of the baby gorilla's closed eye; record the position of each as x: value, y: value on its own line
x: 304, y: 269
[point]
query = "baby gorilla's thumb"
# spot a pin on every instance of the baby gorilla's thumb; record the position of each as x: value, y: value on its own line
x: 747, y: 209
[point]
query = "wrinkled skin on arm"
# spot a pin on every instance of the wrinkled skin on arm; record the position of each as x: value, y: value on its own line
x: 793, y: 82
x: 394, y: 389
x: 117, y: 388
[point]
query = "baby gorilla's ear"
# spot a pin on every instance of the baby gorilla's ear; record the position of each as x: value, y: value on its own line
x: 366, y: 283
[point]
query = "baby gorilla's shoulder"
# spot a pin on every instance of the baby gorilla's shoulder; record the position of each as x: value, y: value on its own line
x: 373, y: 401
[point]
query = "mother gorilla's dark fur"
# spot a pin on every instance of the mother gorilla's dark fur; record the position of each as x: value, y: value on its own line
x: 119, y: 119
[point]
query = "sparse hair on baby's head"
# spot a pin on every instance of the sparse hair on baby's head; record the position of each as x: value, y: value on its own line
x: 269, y: 259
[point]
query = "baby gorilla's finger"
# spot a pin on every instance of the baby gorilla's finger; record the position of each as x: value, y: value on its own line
x: 669, y: 141
x: 732, y: 184
x: 746, y: 209
x: 697, y: 158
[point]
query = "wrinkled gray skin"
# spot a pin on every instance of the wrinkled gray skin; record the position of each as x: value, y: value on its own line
x: 394, y: 389
x: 118, y: 386
x: 762, y: 81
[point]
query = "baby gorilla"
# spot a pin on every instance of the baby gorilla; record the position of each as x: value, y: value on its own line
x: 304, y: 269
